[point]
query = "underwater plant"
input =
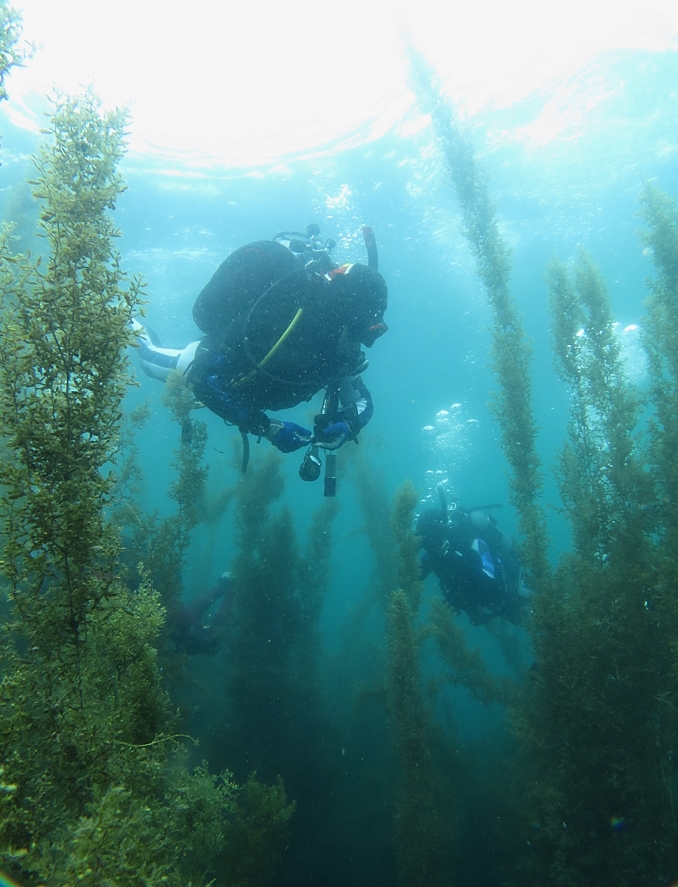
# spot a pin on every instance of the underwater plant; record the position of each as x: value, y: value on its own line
x: 601, y: 477
x: 511, y: 352
x: 80, y: 677
x: 274, y: 644
x: 189, y: 487
x: 270, y: 716
x: 464, y: 666
x: 260, y: 829
x: 155, y: 545
x: 407, y: 544
x: 11, y: 54
x: 375, y: 506
x: 159, y: 542
x: 93, y: 792
x: 21, y: 212
x: 660, y: 340
x: 596, y: 716
x: 419, y: 843
x: 266, y: 609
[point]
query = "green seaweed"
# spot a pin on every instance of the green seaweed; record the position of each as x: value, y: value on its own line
x: 21, y: 213
x: 419, y: 844
x: 156, y: 545
x: 260, y: 829
x: 465, y: 666
x: 660, y: 338
x: 188, y: 489
x: 274, y: 644
x: 407, y: 544
x: 81, y: 677
x: 12, y: 55
x: 601, y: 475
x: 511, y: 352
x: 91, y: 790
x: 270, y: 716
x: 376, y: 508
x: 596, y: 716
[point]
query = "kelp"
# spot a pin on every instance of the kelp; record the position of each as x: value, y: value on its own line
x: 511, y: 352
x: 93, y: 792
x: 660, y: 340
x: 279, y: 589
x: 596, y: 714
x: 188, y: 490
x: 376, y: 508
x: 271, y: 717
x: 601, y: 476
x: 464, y: 666
x: 12, y: 54
x: 81, y: 678
x: 418, y: 834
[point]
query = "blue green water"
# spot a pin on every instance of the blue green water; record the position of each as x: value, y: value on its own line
x: 579, y: 189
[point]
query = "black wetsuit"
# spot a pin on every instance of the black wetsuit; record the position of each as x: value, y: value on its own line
x: 315, y: 318
x: 187, y: 631
x: 478, y: 571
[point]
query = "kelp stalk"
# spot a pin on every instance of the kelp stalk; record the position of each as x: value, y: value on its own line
x: 511, y: 353
x: 420, y: 848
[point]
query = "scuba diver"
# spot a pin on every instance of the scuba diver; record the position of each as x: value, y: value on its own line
x: 282, y: 322
x: 475, y: 562
x: 186, y: 625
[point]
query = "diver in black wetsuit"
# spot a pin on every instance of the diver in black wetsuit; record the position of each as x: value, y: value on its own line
x: 282, y: 322
x: 187, y: 629
x: 476, y: 564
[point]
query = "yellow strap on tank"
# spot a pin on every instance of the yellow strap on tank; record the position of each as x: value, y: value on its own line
x: 273, y: 350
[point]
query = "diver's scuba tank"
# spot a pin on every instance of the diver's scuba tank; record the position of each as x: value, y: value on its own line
x: 309, y: 248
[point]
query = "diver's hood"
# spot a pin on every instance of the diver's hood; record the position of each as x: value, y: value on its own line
x: 364, y: 292
x: 431, y: 522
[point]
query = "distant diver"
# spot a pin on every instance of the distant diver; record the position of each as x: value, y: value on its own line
x: 282, y: 322
x: 189, y: 631
x: 474, y: 561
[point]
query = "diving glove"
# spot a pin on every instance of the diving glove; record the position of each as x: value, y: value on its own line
x: 287, y: 436
x: 332, y: 437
